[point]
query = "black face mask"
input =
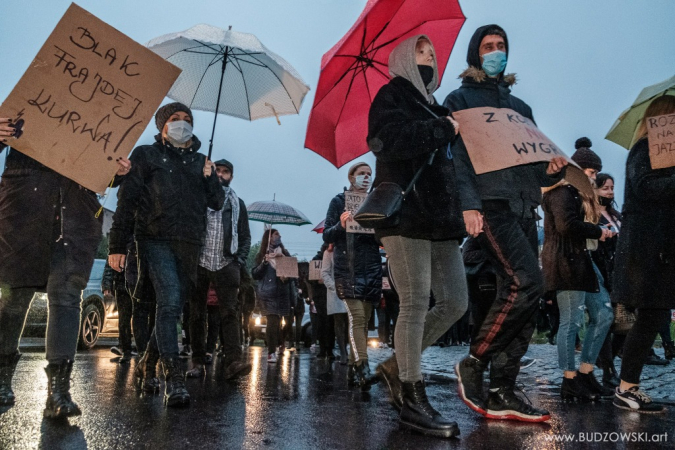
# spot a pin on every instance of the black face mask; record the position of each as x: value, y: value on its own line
x: 605, y: 201
x: 427, y: 73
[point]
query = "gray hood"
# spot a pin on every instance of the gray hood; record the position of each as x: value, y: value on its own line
x: 402, y: 63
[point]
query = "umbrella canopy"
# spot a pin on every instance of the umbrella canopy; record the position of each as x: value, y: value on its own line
x: 624, y: 129
x: 253, y: 81
x: 274, y: 212
x: 320, y: 227
x: 354, y: 70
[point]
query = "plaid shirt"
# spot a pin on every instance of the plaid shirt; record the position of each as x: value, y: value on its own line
x: 212, y: 257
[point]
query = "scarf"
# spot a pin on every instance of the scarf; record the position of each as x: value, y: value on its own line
x: 231, y: 196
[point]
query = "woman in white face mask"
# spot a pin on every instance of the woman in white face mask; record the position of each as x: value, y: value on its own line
x: 162, y: 203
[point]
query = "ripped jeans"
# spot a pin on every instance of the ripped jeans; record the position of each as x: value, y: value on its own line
x: 572, y: 305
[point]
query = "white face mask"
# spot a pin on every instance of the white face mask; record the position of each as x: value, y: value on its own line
x: 361, y: 182
x: 179, y: 131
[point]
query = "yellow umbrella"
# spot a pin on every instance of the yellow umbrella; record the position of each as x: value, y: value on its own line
x: 624, y: 129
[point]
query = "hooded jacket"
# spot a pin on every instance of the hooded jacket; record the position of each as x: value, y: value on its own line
x: 164, y: 196
x: 402, y: 134
x: 519, y: 185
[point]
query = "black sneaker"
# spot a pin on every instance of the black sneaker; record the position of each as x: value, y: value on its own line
x: 589, y: 380
x: 526, y: 362
x: 636, y: 400
x: 655, y: 360
x: 116, y: 351
x: 470, y: 383
x: 506, y: 405
x: 574, y: 389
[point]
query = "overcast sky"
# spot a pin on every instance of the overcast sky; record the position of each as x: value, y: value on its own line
x: 579, y: 65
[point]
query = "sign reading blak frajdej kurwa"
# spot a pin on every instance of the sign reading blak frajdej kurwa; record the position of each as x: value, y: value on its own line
x: 287, y: 266
x: 353, y: 201
x: 661, y: 137
x: 86, y: 98
x: 498, y: 138
x: 315, y: 269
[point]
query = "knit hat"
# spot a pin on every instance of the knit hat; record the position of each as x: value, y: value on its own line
x: 166, y: 111
x: 226, y: 163
x: 584, y: 156
x: 353, y: 168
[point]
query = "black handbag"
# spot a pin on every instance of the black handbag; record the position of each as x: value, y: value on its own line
x: 382, y: 207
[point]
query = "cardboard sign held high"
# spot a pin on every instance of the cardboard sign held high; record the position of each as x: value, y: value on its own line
x: 661, y: 135
x: 498, y: 138
x: 86, y: 98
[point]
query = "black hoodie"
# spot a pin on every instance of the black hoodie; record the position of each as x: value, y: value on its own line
x: 519, y: 185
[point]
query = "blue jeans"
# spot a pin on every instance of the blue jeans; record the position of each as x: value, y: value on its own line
x: 571, y: 305
x: 172, y: 267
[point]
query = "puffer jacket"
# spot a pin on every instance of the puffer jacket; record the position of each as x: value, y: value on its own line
x: 273, y: 296
x: 519, y: 185
x: 164, y: 196
x: 357, y: 261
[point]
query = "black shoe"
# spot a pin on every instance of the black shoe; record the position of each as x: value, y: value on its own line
x: 146, y: 372
x: 418, y: 415
x: 636, y: 400
x: 175, y: 393
x: 116, y: 351
x: 197, y: 371
x: 208, y: 359
x: 588, y: 379
x: 126, y: 357
x: 59, y: 402
x: 526, y: 362
x: 7, y: 367
x: 610, y: 379
x: 470, y: 383
x: 669, y: 351
x: 237, y: 369
x: 506, y: 405
x: 364, y: 379
x: 655, y: 360
x: 186, y: 352
x: 388, y: 372
x: 351, y: 375
x: 574, y: 389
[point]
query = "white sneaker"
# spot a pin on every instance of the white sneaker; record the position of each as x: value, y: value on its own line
x: 272, y: 358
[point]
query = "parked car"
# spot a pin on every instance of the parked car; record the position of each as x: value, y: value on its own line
x: 99, y: 312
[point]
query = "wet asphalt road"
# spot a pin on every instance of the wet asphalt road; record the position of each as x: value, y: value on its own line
x: 289, y: 405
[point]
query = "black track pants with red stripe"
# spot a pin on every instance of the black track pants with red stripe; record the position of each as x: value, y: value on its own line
x: 510, y: 242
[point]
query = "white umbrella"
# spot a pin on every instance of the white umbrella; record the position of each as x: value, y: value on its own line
x: 254, y: 82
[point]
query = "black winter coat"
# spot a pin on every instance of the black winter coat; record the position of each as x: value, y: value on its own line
x: 273, y: 296
x: 357, y: 261
x: 402, y: 135
x: 603, y: 257
x: 644, y: 266
x: 37, y: 207
x: 164, y: 196
x: 565, y: 260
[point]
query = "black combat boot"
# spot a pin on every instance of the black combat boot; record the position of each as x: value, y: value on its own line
x: 59, y: 403
x: 418, y: 415
x: 7, y: 367
x: 388, y: 372
x: 470, y: 383
x: 575, y: 389
x: 588, y: 379
x: 146, y: 372
x: 175, y: 393
x: 364, y: 378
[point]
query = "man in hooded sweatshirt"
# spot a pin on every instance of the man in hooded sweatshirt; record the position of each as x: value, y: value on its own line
x: 499, y: 208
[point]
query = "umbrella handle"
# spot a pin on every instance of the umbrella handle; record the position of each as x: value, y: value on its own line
x: 220, y: 89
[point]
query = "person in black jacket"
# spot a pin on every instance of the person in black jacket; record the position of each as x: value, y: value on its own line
x: 223, y: 257
x: 49, y: 233
x: 499, y: 208
x: 644, y: 268
x: 571, y: 232
x: 163, y: 204
x: 405, y: 126
x: 357, y: 273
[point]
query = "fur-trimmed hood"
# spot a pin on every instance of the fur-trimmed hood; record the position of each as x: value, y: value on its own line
x: 479, y: 76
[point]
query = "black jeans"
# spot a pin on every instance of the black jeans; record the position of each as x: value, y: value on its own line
x: 124, y: 314
x: 143, y: 322
x: 64, y: 293
x: 272, y: 333
x: 510, y: 242
x: 213, y: 312
x: 226, y: 283
x: 326, y: 333
x: 639, y: 342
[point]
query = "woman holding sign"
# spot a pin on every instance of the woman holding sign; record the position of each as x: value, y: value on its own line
x: 423, y: 248
x: 644, y: 270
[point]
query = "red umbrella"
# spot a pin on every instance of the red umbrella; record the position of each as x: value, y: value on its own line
x: 356, y: 68
x: 319, y: 228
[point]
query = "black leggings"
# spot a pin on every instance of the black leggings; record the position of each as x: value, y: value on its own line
x: 639, y: 341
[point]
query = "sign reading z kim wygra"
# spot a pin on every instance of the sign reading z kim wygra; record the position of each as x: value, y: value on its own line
x: 498, y: 138
x: 86, y: 98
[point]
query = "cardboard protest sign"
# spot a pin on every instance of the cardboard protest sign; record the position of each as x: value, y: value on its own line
x: 287, y: 266
x: 661, y: 137
x: 315, y: 269
x: 86, y: 98
x: 498, y: 138
x: 353, y: 201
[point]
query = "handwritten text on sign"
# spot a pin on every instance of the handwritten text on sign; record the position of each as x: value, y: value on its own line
x: 315, y: 269
x: 86, y: 98
x: 353, y: 201
x: 661, y: 131
x: 498, y: 138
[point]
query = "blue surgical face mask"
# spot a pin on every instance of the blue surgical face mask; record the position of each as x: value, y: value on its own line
x: 494, y: 63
